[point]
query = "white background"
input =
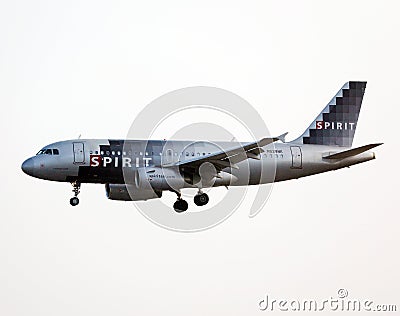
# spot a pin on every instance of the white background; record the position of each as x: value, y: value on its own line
x: 88, y: 67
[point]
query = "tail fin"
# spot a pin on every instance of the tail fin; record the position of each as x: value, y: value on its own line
x: 337, y: 122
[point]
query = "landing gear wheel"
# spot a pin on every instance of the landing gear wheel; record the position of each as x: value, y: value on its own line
x: 201, y: 199
x: 74, y: 201
x: 180, y: 206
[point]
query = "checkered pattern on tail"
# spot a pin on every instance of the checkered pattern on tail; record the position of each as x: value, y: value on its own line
x: 336, y: 124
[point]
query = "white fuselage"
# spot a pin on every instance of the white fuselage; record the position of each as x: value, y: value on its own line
x: 105, y: 161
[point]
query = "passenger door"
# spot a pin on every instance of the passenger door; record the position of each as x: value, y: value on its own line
x: 79, y: 153
x: 297, y: 159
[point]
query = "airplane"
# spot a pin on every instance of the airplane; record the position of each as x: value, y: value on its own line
x: 135, y: 170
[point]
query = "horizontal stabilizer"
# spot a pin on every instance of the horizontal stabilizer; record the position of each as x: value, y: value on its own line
x: 351, y: 152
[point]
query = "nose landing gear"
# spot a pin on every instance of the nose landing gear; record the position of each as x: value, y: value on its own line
x: 74, y: 201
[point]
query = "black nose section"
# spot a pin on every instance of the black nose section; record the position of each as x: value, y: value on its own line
x: 28, y: 166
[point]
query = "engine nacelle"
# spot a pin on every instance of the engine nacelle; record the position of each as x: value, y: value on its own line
x: 129, y: 192
x: 159, y: 179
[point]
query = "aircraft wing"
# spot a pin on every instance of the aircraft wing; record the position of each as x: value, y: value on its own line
x: 230, y: 157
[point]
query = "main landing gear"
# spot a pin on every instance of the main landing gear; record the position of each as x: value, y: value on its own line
x: 201, y: 198
x: 74, y: 201
x: 181, y: 205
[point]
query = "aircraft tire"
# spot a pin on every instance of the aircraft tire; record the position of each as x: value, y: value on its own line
x: 74, y: 201
x: 180, y: 206
x: 201, y: 199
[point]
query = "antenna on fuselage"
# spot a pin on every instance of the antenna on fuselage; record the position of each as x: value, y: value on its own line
x: 79, y: 137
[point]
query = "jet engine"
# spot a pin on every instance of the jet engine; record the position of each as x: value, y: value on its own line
x: 129, y: 192
x: 159, y: 179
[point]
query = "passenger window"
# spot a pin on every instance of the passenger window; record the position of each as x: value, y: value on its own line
x: 56, y: 152
x: 96, y: 152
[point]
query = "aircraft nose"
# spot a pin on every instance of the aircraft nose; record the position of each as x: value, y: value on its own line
x: 28, y: 166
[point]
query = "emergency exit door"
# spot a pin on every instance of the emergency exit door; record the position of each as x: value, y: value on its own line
x: 297, y: 159
x: 169, y: 156
x: 79, y: 152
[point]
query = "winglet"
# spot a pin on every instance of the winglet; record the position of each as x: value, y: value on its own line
x: 268, y: 140
x: 282, y: 137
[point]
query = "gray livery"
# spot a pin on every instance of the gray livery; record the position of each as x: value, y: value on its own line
x: 141, y: 169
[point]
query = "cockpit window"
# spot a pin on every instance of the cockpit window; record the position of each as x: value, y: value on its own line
x: 48, y: 152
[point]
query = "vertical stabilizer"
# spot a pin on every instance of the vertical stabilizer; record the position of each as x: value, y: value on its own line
x: 336, y: 124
